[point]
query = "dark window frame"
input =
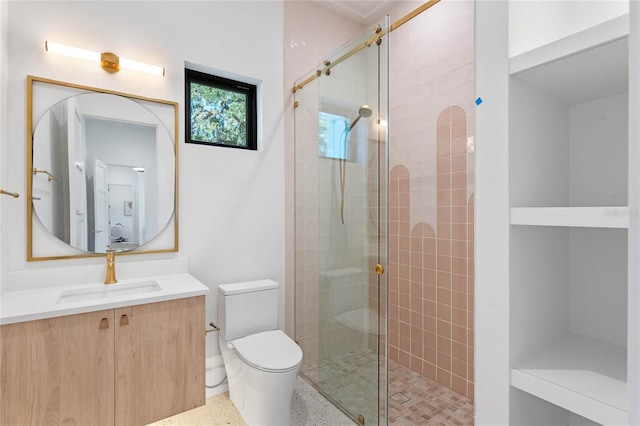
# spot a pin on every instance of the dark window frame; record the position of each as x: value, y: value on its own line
x: 227, y: 84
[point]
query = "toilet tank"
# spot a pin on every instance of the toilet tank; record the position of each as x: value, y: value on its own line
x: 246, y: 308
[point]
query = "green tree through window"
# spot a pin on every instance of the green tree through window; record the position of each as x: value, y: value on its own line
x: 218, y: 114
x: 220, y: 111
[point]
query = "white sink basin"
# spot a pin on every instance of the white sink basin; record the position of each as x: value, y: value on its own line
x: 108, y: 291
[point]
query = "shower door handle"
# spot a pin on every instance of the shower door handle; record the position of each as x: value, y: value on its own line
x: 379, y: 269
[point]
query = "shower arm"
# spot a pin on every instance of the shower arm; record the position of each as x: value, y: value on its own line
x: 353, y: 123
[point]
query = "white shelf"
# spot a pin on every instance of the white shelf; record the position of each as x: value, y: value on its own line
x: 582, y: 375
x: 586, y: 66
x: 606, y: 32
x: 586, y: 217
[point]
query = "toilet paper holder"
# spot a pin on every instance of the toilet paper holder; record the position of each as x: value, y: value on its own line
x: 215, y: 328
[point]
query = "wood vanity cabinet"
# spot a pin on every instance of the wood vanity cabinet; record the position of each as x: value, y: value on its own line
x: 123, y: 366
x: 159, y: 360
x: 58, y: 371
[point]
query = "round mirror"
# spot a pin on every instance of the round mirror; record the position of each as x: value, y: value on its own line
x: 103, y: 172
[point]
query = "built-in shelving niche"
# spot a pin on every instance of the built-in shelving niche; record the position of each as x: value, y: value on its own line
x: 568, y: 119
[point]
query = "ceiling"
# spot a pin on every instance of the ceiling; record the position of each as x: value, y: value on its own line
x: 364, y: 11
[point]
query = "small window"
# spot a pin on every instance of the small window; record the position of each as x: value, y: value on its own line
x: 220, y: 111
x: 332, y: 135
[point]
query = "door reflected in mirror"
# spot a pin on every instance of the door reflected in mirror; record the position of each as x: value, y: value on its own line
x: 127, y: 224
x: 103, y: 171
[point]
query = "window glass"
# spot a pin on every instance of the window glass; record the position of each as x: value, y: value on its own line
x: 332, y: 136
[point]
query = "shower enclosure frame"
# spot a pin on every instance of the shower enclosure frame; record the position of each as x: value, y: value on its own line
x: 340, y: 233
x: 379, y: 34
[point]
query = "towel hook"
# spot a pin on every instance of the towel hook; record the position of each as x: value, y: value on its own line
x: 50, y: 176
x: 11, y: 194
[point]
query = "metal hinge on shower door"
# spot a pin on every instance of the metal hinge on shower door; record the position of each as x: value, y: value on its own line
x: 360, y: 419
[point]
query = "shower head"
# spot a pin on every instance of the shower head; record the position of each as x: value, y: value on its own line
x: 364, y: 111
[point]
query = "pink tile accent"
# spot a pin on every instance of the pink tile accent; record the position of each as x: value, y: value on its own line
x: 429, y: 324
x: 459, y: 300
x: 429, y: 275
x: 459, y: 334
x: 429, y: 370
x: 434, y: 264
x: 393, y: 353
x: 459, y: 317
x: 417, y: 335
x: 429, y: 261
x: 443, y: 279
x: 459, y: 384
x: 459, y: 351
x: 430, y: 354
x: 459, y: 368
x: 405, y: 317
x: 443, y: 130
x: 444, y: 195
x: 444, y: 312
x: 405, y: 346
x: 444, y: 164
x: 429, y: 307
x: 416, y: 309
x: 404, y: 358
x: 444, y: 329
x: 459, y: 282
x: 444, y: 296
x: 416, y: 364
x: 443, y: 377
x: 444, y: 230
x: 429, y: 292
x: 444, y: 361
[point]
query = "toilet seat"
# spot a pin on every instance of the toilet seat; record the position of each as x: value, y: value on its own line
x: 270, y: 351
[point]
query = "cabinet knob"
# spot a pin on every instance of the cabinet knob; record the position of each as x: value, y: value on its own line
x: 104, y: 324
x: 124, y: 320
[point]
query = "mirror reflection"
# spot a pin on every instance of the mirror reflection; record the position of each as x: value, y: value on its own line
x: 103, y: 172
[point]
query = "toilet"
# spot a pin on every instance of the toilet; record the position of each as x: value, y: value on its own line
x: 261, y: 361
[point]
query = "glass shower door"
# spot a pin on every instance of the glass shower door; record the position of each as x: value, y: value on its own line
x: 341, y: 172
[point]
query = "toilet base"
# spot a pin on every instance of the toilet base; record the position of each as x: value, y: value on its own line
x: 262, y: 398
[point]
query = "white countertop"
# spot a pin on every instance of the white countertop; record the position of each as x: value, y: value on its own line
x: 28, y: 305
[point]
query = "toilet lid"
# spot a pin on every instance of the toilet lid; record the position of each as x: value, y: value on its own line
x: 269, y: 351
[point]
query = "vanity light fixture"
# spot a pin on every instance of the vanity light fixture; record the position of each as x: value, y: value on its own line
x: 110, y: 62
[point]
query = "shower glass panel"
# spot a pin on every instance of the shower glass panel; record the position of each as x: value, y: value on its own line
x: 340, y: 209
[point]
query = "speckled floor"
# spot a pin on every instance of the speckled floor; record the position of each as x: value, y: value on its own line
x: 413, y: 400
x: 309, y: 408
x: 218, y: 411
x: 351, y: 380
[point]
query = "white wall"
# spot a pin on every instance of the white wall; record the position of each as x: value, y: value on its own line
x: 598, y: 176
x: 3, y: 118
x: 633, y: 337
x: 492, y: 216
x: 231, y: 201
x: 598, y: 149
x: 533, y: 23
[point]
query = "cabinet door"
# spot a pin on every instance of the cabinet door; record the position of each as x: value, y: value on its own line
x: 159, y: 360
x: 58, y: 371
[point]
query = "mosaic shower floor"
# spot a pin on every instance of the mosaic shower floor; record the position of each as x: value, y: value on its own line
x: 351, y: 380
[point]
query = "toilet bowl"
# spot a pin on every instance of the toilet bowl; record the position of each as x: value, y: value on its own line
x: 261, y: 361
